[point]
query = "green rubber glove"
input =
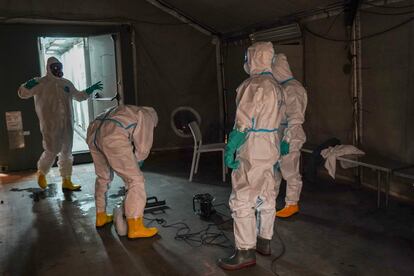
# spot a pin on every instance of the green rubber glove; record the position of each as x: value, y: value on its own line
x: 284, y: 148
x: 31, y: 83
x: 236, y: 140
x: 141, y: 163
x: 96, y: 86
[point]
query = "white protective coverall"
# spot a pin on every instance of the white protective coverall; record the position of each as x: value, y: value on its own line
x: 53, y: 103
x: 259, y: 108
x: 292, y: 132
x: 118, y: 139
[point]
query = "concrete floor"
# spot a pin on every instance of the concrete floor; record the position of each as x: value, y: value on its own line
x: 338, y: 232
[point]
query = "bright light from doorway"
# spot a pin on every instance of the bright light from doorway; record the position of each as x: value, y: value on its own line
x: 71, y: 53
x: 59, y: 41
x: 53, y: 47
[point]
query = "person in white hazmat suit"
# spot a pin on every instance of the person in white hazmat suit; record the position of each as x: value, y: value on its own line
x: 255, y: 142
x: 120, y: 139
x: 53, y: 96
x: 293, y: 136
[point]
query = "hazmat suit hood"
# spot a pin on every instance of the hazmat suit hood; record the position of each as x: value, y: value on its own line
x: 259, y: 58
x: 50, y: 61
x: 281, y: 69
x: 152, y: 115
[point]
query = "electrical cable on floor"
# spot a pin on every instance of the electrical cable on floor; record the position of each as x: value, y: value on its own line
x: 205, y: 236
x: 282, y: 252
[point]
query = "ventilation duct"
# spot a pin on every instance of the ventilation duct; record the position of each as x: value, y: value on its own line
x: 282, y: 33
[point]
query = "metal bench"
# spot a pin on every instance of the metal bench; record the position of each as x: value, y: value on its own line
x: 382, y: 166
x: 407, y: 172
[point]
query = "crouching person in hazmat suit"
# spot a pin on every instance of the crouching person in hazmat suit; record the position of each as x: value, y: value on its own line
x: 293, y: 136
x: 120, y: 140
x: 255, y: 142
x: 53, y: 96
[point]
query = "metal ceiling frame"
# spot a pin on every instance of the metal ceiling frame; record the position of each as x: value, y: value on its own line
x: 300, y: 17
x: 183, y: 17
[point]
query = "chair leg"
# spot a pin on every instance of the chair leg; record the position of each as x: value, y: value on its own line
x: 224, y: 164
x: 197, y: 161
x: 224, y: 168
x: 193, y: 165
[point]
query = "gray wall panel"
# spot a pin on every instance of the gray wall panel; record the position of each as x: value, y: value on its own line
x: 388, y: 95
x: 329, y: 112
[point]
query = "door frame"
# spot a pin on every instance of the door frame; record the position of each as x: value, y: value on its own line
x: 84, y: 156
x: 123, y: 52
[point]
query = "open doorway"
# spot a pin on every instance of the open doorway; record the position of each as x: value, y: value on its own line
x: 86, y: 60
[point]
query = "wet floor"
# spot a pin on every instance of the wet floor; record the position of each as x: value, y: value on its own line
x: 338, y: 232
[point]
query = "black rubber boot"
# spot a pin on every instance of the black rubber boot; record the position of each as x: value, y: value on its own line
x: 263, y: 246
x: 240, y: 259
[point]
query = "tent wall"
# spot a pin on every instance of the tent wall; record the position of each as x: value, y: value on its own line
x: 178, y: 68
x: 388, y: 98
x: 233, y: 56
x: 388, y: 83
x: 329, y: 112
x: 176, y: 65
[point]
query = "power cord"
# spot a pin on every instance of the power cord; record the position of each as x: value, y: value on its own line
x: 211, y: 238
x: 282, y: 252
x: 363, y: 37
x: 206, y: 236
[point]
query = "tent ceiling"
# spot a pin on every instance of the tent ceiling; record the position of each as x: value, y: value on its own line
x: 227, y: 16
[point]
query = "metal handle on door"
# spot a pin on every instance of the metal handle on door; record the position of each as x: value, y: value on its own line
x: 98, y: 98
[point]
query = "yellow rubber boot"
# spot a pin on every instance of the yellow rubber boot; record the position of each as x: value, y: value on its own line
x: 103, y: 218
x: 67, y: 184
x: 136, y: 229
x: 288, y: 211
x: 41, y: 180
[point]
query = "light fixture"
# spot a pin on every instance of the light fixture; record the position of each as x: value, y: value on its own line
x: 50, y: 52
x: 53, y: 47
x: 282, y: 33
x: 59, y: 41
